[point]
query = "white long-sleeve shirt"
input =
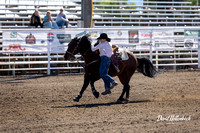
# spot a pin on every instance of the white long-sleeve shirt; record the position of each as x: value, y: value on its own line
x: 61, y: 17
x: 105, y: 49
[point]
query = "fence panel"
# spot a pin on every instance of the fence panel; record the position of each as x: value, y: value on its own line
x: 43, y: 49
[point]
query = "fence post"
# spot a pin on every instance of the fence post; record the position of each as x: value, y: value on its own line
x: 156, y: 58
x: 151, y: 45
x: 49, y: 58
x: 174, y: 67
x: 86, y: 12
x: 13, y: 72
x: 199, y: 53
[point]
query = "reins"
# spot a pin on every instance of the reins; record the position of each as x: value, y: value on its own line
x: 79, y: 62
x: 75, y: 58
x: 71, y: 53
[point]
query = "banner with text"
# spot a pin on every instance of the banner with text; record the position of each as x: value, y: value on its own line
x: 37, y: 41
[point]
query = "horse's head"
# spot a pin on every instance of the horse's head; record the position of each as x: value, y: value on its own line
x: 78, y: 45
x: 72, y: 49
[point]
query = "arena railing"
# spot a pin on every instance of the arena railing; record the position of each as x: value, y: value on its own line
x: 177, y: 56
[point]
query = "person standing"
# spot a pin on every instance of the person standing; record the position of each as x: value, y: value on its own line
x: 61, y: 19
x: 48, y: 21
x: 36, y: 19
x: 105, y: 48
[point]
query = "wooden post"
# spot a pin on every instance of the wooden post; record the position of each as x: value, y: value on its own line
x: 86, y: 13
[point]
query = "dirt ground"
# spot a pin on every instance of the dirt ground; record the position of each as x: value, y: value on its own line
x: 39, y: 103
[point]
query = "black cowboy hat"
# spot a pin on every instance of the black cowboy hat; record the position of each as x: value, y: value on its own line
x: 104, y: 36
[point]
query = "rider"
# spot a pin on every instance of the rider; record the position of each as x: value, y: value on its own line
x: 105, y: 48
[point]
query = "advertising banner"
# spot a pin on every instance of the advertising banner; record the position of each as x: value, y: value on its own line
x: 24, y: 41
x: 36, y: 41
x: 163, y: 39
x: 191, y: 38
x: 118, y: 37
x: 58, y: 40
x: 133, y: 36
x: 145, y: 39
x: 163, y: 34
x: 191, y: 33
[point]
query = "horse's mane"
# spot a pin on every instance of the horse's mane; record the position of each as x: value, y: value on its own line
x: 86, y: 40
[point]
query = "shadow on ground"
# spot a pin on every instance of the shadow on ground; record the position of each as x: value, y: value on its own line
x: 98, y: 104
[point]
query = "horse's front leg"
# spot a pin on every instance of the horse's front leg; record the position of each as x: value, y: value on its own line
x: 85, y: 85
x: 94, y: 91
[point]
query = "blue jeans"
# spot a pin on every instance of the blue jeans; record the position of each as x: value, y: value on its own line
x: 50, y: 25
x: 62, y: 23
x: 103, y: 71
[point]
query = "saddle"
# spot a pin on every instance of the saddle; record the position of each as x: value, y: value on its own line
x: 118, y: 55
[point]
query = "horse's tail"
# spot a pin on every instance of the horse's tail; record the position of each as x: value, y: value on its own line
x: 146, y: 67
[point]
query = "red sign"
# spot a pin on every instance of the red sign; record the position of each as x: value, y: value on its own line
x: 14, y: 47
x: 146, y: 35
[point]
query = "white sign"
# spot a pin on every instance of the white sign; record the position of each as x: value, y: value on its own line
x: 145, y: 39
x: 163, y: 34
x: 117, y: 36
x: 24, y: 41
x: 163, y: 39
x: 36, y: 41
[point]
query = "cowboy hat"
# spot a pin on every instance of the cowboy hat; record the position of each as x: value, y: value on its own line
x: 104, y: 36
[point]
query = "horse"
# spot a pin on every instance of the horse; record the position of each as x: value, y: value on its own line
x: 92, y: 60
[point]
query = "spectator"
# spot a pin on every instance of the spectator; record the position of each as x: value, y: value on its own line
x: 61, y: 19
x: 36, y: 19
x: 48, y: 21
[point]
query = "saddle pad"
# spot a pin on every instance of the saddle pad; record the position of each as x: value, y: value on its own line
x: 123, y: 54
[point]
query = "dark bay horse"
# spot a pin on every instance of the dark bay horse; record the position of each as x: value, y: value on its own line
x: 92, y: 63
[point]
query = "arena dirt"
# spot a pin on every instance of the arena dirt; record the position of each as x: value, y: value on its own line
x: 44, y: 104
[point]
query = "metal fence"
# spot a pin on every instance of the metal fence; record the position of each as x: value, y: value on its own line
x: 169, y: 48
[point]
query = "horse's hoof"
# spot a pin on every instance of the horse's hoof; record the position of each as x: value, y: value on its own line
x: 76, y: 99
x: 125, y: 100
x: 96, y: 94
x: 122, y: 101
x: 119, y: 101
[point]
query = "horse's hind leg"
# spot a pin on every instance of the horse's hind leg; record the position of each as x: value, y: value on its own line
x: 120, y: 99
x: 127, y: 91
x: 124, y: 79
x: 85, y: 85
x: 94, y: 91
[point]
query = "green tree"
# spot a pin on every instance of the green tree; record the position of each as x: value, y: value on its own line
x: 194, y: 2
x: 113, y: 2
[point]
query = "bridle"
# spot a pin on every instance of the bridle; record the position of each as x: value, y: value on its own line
x: 77, y: 48
x: 72, y: 54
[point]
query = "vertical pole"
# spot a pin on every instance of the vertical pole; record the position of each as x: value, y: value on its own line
x: 49, y: 58
x: 157, y: 59
x: 14, y: 67
x: 199, y: 54
x: 86, y: 12
x: 82, y: 9
x: 151, y: 55
x: 174, y: 67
